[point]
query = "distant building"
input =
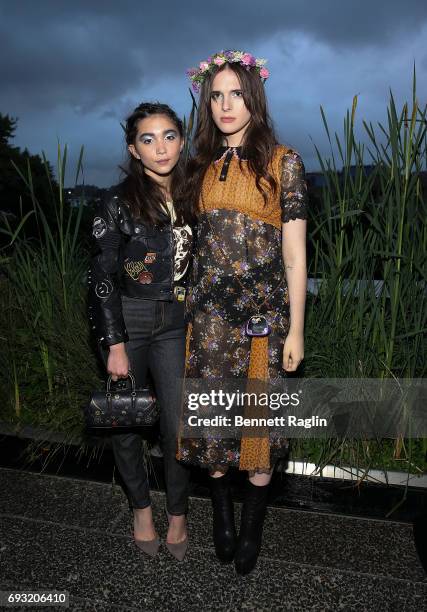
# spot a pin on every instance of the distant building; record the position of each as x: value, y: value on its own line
x: 315, y: 179
x: 74, y: 200
x: 367, y: 168
x: 85, y: 194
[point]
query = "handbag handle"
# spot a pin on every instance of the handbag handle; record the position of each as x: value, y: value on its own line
x: 130, y: 375
x: 133, y: 392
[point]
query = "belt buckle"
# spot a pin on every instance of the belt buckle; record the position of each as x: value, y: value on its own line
x: 179, y: 293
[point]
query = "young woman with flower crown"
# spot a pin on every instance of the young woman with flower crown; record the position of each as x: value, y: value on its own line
x: 250, y: 260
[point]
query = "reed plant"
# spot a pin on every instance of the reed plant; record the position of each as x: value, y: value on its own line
x: 369, y: 318
x: 48, y: 366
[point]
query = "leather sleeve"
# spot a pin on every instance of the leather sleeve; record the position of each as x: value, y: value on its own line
x: 105, y: 305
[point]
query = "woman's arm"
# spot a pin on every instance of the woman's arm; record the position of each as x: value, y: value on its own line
x: 294, y: 228
x: 294, y: 258
x: 105, y: 307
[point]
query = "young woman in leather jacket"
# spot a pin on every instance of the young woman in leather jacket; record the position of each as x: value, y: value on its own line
x: 143, y: 241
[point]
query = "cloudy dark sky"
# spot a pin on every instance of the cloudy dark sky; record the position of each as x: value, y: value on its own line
x: 72, y: 70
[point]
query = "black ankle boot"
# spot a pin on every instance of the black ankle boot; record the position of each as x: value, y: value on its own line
x: 224, y: 529
x: 252, y: 522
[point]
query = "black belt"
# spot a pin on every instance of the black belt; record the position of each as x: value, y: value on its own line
x: 148, y: 292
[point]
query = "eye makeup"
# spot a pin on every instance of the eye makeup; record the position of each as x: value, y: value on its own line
x: 235, y: 92
x: 148, y: 137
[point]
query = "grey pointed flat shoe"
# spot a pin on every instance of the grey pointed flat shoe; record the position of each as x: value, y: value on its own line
x: 150, y: 547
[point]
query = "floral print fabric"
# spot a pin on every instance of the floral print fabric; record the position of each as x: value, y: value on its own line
x: 232, y: 244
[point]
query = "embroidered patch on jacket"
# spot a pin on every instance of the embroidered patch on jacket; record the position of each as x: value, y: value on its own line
x: 145, y: 278
x: 134, y: 269
x: 150, y: 258
x: 99, y: 227
x: 103, y: 288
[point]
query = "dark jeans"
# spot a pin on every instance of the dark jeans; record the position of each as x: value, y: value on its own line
x: 156, y: 332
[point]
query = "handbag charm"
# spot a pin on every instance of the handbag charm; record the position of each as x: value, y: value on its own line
x: 257, y: 326
x: 145, y: 278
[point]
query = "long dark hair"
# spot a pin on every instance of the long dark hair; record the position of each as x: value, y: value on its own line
x: 259, y: 140
x: 140, y: 192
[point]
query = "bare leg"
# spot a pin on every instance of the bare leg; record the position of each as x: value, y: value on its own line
x: 143, y: 525
x: 261, y: 480
x: 177, y: 531
x: 217, y: 474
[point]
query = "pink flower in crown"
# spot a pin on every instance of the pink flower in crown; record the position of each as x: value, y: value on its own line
x: 204, y: 66
x: 248, y: 59
x: 264, y: 73
x: 219, y: 61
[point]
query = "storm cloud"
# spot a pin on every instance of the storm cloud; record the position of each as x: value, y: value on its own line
x: 72, y: 70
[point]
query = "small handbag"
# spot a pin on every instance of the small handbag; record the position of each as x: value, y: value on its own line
x: 121, y: 408
x: 257, y: 325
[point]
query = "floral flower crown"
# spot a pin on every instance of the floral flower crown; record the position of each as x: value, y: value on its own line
x: 198, y: 75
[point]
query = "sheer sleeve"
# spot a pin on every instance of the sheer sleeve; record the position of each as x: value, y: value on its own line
x: 293, y: 195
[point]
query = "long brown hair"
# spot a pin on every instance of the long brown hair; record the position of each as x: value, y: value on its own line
x: 140, y: 192
x: 259, y: 139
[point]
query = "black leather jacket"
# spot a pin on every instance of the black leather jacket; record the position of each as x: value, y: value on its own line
x: 129, y: 258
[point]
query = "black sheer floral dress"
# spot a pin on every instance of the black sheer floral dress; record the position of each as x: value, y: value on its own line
x: 240, y: 236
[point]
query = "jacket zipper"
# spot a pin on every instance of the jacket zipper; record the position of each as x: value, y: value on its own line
x: 172, y: 241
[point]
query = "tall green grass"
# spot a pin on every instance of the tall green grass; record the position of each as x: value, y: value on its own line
x: 371, y: 227
x: 48, y: 366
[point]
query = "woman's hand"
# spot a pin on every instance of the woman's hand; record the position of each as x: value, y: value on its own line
x: 293, y: 351
x: 118, y: 361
